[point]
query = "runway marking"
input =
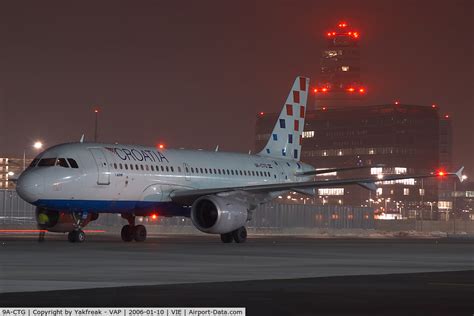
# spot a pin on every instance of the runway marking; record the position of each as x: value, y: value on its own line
x: 23, y: 231
x: 451, y: 284
x: 27, y: 231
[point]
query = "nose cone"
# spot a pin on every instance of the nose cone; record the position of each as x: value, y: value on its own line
x: 30, y: 186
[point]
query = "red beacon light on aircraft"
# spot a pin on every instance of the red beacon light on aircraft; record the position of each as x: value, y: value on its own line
x: 154, y: 216
x: 161, y: 146
x: 441, y: 173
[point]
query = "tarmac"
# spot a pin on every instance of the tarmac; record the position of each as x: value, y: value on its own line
x: 268, y: 275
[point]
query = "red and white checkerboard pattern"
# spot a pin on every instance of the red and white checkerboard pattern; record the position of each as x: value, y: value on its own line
x: 285, y: 140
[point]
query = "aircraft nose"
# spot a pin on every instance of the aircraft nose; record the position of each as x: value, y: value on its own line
x: 30, y: 186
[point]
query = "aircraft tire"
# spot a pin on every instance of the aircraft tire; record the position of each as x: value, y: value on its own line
x: 227, y: 238
x: 76, y: 236
x: 240, y: 235
x: 127, y: 233
x: 70, y: 237
x: 139, y: 233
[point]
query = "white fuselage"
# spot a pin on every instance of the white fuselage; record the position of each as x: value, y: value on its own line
x: 126, y: 178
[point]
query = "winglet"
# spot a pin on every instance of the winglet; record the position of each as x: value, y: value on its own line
x: 459, y: 173
x: 82, y: 139
x: 217, y: 148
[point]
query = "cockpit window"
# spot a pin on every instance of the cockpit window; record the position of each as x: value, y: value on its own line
x: 47, y: 162
x: 62, y: 163
x: 73, y: 163
x: 33, y: 163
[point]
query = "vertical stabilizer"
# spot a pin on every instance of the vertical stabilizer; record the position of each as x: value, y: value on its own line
x: 285, y: 139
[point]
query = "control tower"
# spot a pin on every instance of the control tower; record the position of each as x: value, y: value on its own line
x: 339, y: 78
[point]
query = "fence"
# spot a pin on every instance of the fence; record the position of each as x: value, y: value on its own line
x: 13, y: 210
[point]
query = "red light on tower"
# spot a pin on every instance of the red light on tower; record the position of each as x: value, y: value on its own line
x: 446, y: 116
x: 324, y: 89
x: 351, y: 89
x: 434, y: 106
x: 362, y: 90
x: 397, y: 102
x: 329, y: 34
x: 96, y: 110
x: 355, y: 34
x: 315, y: 90
x: 261, y: 113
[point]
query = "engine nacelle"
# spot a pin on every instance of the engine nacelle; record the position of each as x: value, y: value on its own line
x: 218, y: 215
x: 59, y: 222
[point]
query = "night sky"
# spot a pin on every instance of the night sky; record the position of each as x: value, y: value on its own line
x: 194, y: 74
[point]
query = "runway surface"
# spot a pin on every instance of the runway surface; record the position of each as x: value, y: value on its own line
x: 103, y: 261
x: 201, y: 265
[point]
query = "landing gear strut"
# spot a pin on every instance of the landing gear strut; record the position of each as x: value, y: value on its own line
x: 239, y: 236
x: 78, y: 235
x: 131, y: 232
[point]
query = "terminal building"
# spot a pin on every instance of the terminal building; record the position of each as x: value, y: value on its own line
x: 403, y: 138
x: 10, y: 168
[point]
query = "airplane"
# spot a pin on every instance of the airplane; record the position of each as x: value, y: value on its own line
x: 73, y: 183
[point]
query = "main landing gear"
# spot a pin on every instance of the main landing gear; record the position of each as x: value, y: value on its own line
x: 78, y: 235
x: 239, y: 236
x: 131, y: 232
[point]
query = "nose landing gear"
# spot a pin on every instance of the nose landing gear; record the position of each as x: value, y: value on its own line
x: 131, y: 232
x: 78, y: 235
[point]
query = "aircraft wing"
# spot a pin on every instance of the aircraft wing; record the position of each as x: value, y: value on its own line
x: 324, y: 171
x: 187, y: 197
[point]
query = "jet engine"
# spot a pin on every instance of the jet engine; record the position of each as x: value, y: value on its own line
x: 59, y: 222
x: 218, y: 215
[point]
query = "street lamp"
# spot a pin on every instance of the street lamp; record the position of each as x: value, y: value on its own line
x: 38, y: 145
x: 96, y: 124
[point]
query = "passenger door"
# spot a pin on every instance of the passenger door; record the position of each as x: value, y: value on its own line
x: 103, y: 169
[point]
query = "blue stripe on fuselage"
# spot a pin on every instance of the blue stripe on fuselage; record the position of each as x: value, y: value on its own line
x: 104, y: 206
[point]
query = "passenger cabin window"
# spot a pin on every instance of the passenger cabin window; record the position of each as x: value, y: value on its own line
x: 62, y: 163
x: 47, y: 162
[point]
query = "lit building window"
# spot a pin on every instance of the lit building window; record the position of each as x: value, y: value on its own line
x: 406, y: 191
x: 379, y: 191
x: 325, y: 153
x: 371, y: 151
x: 399, y: 170
x: 340, y: 153
x: 331, y: 191
x: 377, y: 170
x: 308, y: 134
x: 422, y: 192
